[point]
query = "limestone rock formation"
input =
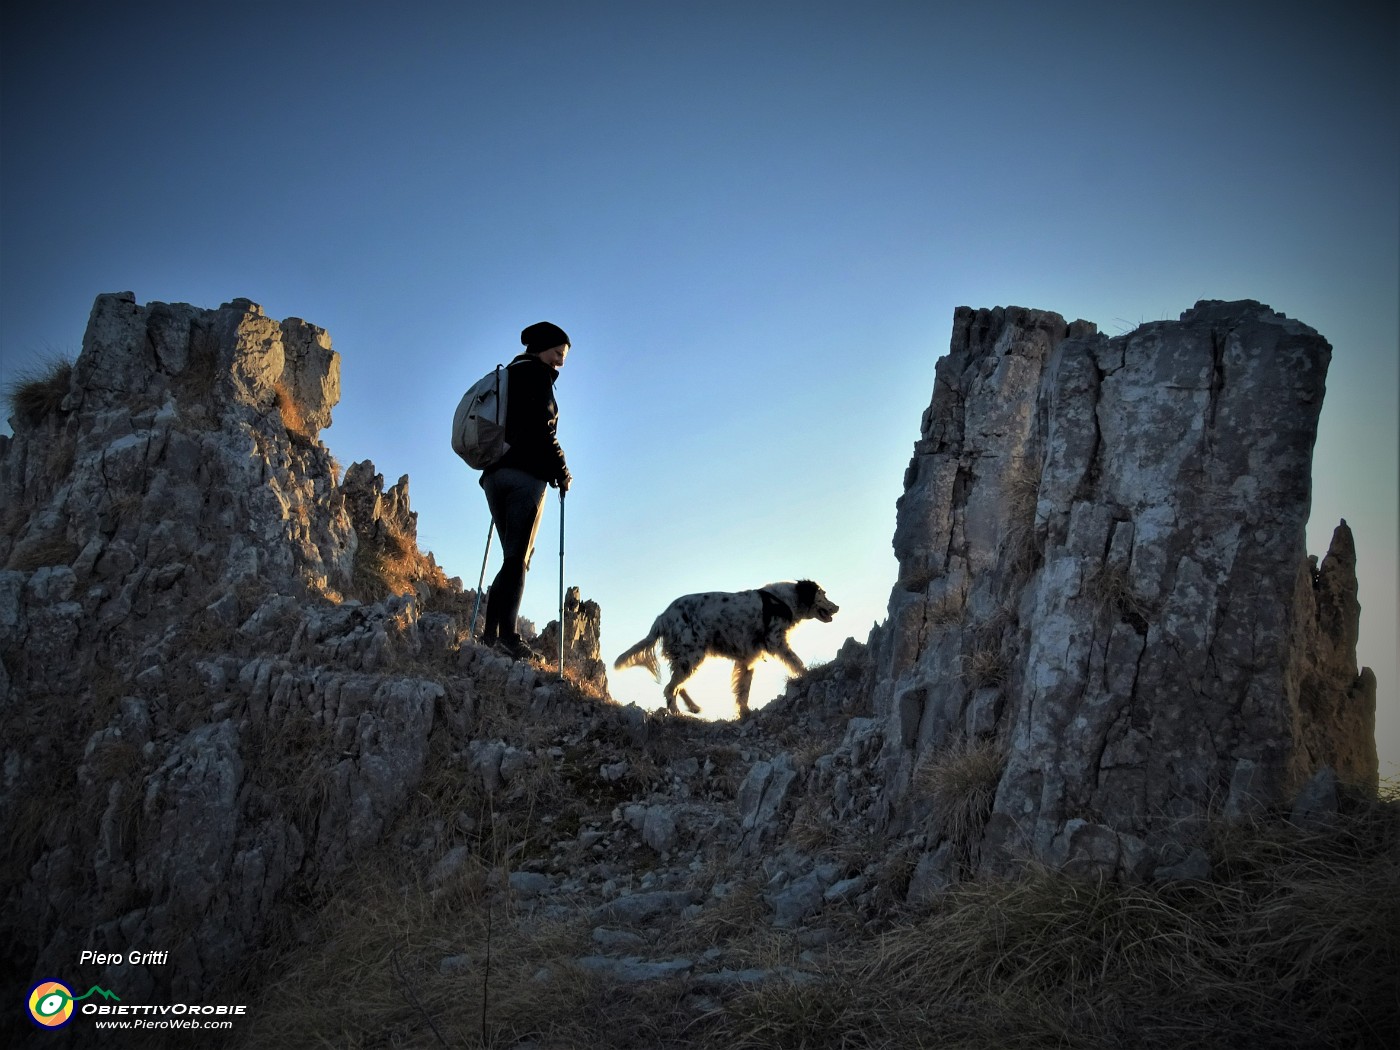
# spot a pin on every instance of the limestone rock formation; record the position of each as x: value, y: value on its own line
x: 1102, y: 576
x: 583, y: 661
x: 220, y: 664
x: 179, y: 425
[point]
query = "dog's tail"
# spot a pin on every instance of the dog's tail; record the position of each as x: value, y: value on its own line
x: 643, y: 654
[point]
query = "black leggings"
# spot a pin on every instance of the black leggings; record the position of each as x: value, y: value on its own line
x: 516, y: 500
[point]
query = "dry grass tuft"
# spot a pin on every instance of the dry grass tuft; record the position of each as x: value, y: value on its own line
x: 983, y: 667
x: 38, y: 392
x: 460, y: 964
x: 574, y: 675
x: 386, y: 562
x: 293, y: 419
x: 738, y: 918
x: 1109, y: 588
x: 1297, y: 944
x: 961, y: 783
x: 40, y: 552
x: 293, y: 765
x: 1020, y: 488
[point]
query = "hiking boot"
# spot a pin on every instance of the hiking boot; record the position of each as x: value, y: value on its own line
x: 517, y: 649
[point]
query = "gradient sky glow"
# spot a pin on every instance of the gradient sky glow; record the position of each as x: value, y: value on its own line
x: 754, y: 220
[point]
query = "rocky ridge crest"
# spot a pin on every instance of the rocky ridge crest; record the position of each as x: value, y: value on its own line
x: 228, y: 677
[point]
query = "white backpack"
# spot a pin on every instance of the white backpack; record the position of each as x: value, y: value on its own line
x: 479, y: 425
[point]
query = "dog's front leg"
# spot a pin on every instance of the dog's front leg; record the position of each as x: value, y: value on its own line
x: 790, y: 659
x: 743, y: 679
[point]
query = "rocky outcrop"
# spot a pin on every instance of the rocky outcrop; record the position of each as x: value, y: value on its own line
x: 1334, y: 719
x: 1102, y: 578
x: 583, y: 624
x: 180, y: 442
x: 221, y: 664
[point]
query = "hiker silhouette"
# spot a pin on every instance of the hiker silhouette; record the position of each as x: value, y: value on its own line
x: 515, y: 484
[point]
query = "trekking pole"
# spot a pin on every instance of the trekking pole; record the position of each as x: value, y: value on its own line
x: 481, y: 580
x: 561, y: 582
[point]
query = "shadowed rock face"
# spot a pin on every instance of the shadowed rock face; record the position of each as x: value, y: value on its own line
x: 207, y: 703
x: 1102, y: 567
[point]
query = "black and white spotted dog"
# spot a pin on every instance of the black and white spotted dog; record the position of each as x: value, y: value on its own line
x: 744, y: 626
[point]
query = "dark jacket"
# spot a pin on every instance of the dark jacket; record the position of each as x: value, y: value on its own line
x: 532, y: 416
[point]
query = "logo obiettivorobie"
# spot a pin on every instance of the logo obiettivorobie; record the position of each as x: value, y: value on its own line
x: 51, y: 1003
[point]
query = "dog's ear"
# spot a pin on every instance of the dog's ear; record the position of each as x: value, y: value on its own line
x: 807, y: 593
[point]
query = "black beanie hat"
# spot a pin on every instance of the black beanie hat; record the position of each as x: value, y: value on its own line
x: 542, y: 336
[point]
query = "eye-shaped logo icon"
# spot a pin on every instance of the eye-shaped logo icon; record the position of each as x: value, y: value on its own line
x: 51, y: 1004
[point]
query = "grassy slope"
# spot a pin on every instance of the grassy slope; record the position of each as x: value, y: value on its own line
x: 1296, y: 943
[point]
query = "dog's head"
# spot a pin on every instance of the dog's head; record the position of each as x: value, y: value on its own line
x: 812, y: 601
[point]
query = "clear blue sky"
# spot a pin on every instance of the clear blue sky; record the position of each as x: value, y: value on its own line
x: 754, y: 219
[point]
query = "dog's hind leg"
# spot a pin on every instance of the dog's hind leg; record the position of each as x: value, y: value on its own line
x: 743, y: 679
x: 681, y: 670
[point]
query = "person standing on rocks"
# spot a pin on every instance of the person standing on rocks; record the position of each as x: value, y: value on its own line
x: 515, y: 484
